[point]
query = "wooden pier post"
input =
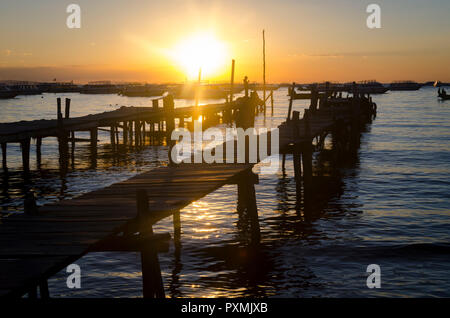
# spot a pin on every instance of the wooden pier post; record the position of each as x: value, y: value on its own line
x: 67, y: 109
x: 25, y: 146
x: 232, y: 81
x: 247, y: 204
x: 4, y: 163
x: 151, y: 272
x: 297, y: 154
x: 58, y: 111
x: 112, y: 136
x: 38, y: 152
x: 307, y: 156
x: 271, y: 103
x: 63, y: 148
x: 136, y: 133
x: 291, y: 99
x: 125, y: 132
x: 94, y: 136
x: 264, y: 72
x: 169, y: 107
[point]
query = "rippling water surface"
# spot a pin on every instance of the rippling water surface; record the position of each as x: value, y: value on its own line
x: 388, y: 205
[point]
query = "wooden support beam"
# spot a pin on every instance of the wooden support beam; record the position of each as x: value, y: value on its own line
x: 67, y: 109
x: 151, y: 272
x: 112, y: 136
x: 136, y: 133
x: 4, y: 162
x: 94, y: 136
x: 247, y: 204
x: 63, y: 148
x: 125, y: 132
x: 25, y: 146
x: 58, y: 111
x: 297, y: 154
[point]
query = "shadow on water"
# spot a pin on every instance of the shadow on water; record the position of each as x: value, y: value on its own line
x: 54, y: 180
x: 258, y: 270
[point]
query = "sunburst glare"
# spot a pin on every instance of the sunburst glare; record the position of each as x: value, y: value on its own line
x: 201, y: 50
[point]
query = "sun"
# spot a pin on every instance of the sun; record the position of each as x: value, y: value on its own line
x: 200, y: 51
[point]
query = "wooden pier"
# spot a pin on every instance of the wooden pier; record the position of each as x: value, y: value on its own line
x: 137, y: 124
x: 44, y: 240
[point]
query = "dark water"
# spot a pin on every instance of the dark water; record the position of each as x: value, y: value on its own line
x: 388, y: 205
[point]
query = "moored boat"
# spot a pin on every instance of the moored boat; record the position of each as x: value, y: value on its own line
x: 404, y: 86
x: 143, y: 91
x: 371, y: 87
x: 442, y: 94
x: 6, y: 92
x: 103, y: 87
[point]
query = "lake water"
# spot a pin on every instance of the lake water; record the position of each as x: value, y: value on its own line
x: 389, y: 206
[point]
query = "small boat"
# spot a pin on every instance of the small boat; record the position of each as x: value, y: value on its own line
x: 101, y: 87
x: 6, y: 92
x: 143, y: 91
x: 260, y: 87
x: 371, y: 87
x: 443, y: 95
x: 404, y: 86
x: 205, y: 92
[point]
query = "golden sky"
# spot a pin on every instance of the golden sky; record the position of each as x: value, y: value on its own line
x: 152, y: 41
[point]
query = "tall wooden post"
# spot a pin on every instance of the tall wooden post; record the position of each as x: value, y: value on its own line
x: 58, y: 110
x: 67, y: 109
x: 94, y: 136
x: 232, y: 81
x: 151, y: 272
x: 125, y: 132
x: 169, y: 107
x: 136, y: 134
x: 264, y: 71
x: 271, y: 103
